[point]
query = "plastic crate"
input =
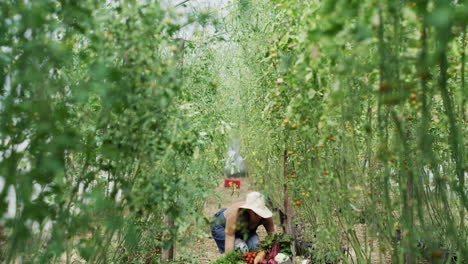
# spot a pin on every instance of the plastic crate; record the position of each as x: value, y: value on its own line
x: 230, y: 182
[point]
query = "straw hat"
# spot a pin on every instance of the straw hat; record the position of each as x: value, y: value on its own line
x: 256, y: 203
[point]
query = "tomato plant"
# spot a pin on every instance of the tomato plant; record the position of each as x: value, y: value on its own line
x: 360, y: 99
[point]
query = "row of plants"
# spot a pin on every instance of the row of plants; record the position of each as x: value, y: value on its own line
x: 359, y: 109
x: 104, y: 156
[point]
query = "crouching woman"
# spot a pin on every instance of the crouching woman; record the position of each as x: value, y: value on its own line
x: 235, y: 227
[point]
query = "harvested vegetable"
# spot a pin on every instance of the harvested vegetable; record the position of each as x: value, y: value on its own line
x: 271, y: 258
x: 260, y: 256
x: 249, y: 257
x: 232, y: 257
x: 280, y: 258
x: 274, y: 250
x: 283, y: 241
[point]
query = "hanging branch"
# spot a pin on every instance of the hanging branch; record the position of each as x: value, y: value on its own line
x: 182, y: 3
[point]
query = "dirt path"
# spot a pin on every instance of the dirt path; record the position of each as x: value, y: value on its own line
x: 205, y: 249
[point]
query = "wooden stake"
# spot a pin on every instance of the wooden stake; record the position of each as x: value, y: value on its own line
x: 289, y: 214
x: 168, y: 255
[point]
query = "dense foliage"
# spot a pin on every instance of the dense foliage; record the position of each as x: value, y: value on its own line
x: 366, y: 102
x: 113, y: 128
x: 96, y: 140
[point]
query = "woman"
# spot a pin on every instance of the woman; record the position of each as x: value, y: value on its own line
x: 235, y: 227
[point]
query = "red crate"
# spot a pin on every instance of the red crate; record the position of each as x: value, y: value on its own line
x: 228, y: 183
